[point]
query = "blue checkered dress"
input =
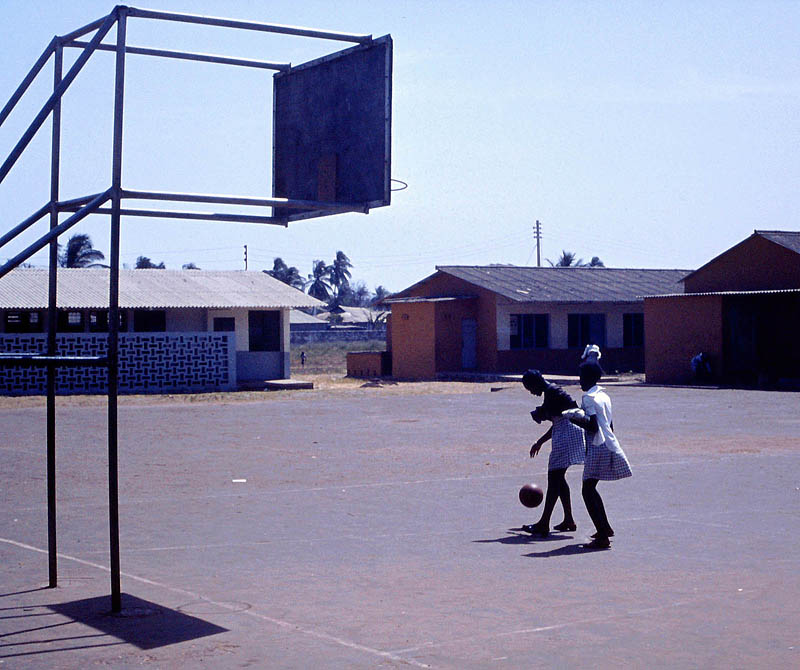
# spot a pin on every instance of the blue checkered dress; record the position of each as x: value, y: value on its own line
x: 568, y: 447
x: 604, y: 464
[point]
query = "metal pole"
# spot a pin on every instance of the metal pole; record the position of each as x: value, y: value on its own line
x: 45, y: 239
x: 27, y: 223
x: 182, y: 55
x: 51, y: 102
x: 37, y: 67
x: 286, y: 203
x: 52, y: 319
x: 538, y: 236
x: 249, y: 25
x: 89, y: 27
x: 113, y: 315
x: 193, y: 216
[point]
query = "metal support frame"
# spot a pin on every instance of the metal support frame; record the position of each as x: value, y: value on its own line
x: 83, y: 206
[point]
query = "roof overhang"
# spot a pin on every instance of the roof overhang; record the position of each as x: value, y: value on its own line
x: 443, y: 298
x: 726, y: 293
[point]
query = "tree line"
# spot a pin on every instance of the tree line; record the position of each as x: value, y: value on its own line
x: 329, y: 282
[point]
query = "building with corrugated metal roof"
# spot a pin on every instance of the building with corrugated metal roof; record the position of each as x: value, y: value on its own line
x: 505, y: 319
x: 741, y: 310
x: 180, y: 330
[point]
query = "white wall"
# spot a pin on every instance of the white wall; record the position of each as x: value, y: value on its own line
x: 559, y: 320
x: 242, y: 325
x: 186, y: 320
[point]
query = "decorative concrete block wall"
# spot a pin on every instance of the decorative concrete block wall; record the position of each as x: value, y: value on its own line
x: 149, y: 363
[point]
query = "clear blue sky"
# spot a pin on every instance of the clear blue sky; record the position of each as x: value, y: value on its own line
x: 650, y: 134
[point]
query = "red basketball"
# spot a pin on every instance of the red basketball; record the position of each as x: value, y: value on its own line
x: 531, y: 495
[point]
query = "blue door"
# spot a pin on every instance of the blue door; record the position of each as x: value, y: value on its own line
x: 469, y: 342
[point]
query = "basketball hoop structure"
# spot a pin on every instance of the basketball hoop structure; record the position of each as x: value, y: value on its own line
x: 331, y: 154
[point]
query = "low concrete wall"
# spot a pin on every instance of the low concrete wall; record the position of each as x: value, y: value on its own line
x: 148, y: 363
x: 261, y: 365
x: 369, y: 364
x: 334, y: 335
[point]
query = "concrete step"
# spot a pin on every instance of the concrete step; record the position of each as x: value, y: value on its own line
x: 275, y: 385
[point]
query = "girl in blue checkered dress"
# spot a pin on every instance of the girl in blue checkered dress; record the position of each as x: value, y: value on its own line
x: 568, y: 449
x: 605, y: 458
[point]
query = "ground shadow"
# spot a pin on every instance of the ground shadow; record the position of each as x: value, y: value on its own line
x: 141, y: 623
x: 519, y: 536
x: 19, y: 593
x: 568, y: 550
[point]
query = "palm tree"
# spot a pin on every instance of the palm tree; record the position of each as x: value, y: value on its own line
x: 144, y: 263
x: 189, y: 266
x: 340, y: 271
x: 80, y: 253
x: 361, y: 294
x: 569, y: 259
x: 354, y: 295
x: 381, y: 293
x: 318, y: 285
x: 288, y: 275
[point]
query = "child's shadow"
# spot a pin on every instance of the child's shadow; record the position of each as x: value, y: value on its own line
x: 568, y: 550
x: 519, y: 536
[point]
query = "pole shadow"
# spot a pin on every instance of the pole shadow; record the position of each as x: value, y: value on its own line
x: 141, y: 623
x: 19, y: 593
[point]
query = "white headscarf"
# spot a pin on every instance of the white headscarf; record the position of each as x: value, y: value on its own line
x: 591, y: 354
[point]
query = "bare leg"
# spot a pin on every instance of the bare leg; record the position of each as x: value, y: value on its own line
x: 555, y: 479
x: 596, y: 509
x: 568, y: 523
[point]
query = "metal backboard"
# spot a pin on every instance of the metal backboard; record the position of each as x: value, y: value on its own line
x: 332, y: 129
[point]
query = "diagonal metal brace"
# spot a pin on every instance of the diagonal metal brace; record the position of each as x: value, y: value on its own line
x: 56, y: 96
x: 48, y: 237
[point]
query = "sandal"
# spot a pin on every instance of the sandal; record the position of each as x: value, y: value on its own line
x: 536, y: 529
x: 601, y: 542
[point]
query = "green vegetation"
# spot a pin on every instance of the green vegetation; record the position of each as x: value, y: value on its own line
x: 329, y: 357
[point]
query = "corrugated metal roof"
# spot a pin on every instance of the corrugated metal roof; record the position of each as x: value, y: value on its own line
x: 87, y: 288
x: 786, y: 238
x: 296, y: 317
x: 414, y: 299
x: 570, y: 285
x: 725, y: 293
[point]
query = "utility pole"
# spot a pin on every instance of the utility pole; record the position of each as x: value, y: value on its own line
x: 245, y: 257
x: 537, y: 235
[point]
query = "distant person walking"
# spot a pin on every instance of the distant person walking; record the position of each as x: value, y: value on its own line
x: 568, y: 448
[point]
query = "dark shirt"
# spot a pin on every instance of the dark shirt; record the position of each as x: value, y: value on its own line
x: 556, y: 400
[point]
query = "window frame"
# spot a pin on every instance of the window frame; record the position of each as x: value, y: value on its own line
x: 532, y: 331
x: 586, y: 328
x: 633, y: 329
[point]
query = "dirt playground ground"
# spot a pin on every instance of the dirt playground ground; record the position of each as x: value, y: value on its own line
x: 377, y: 527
